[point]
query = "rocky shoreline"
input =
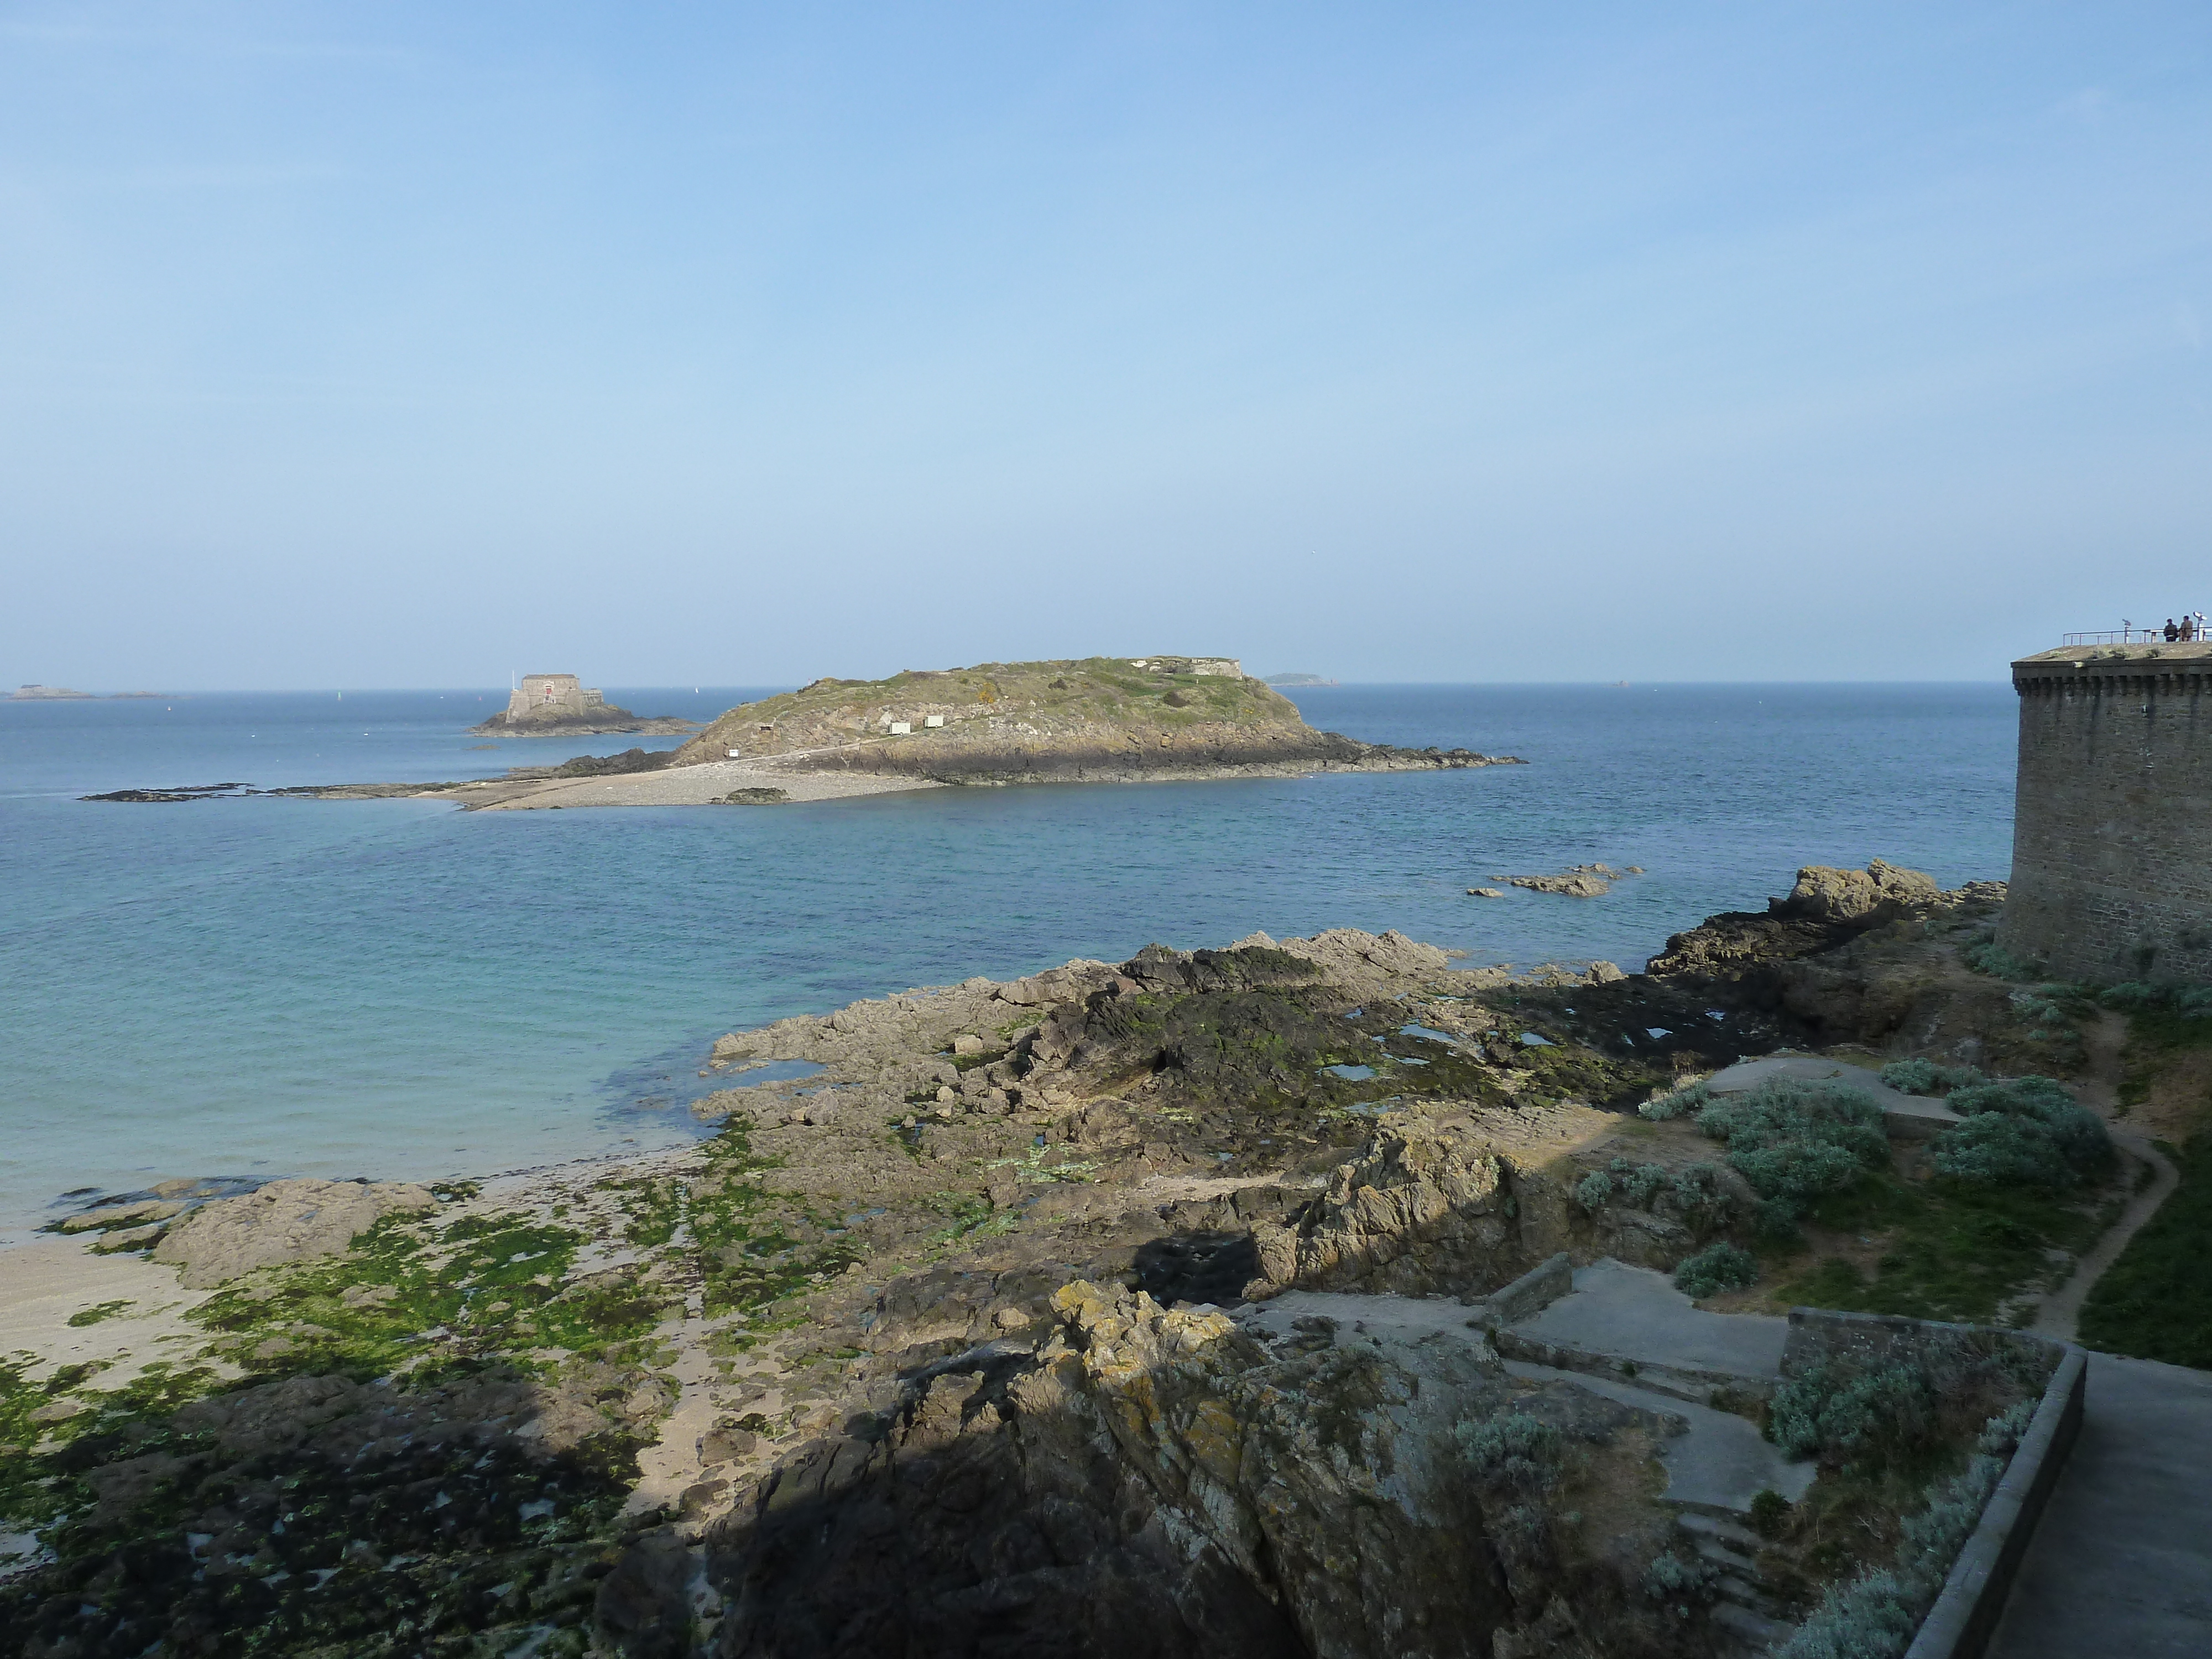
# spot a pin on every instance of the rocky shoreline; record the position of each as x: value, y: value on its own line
x: 930, y: 1341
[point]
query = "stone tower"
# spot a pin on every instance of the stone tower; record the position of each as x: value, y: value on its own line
x: 2111, y: 852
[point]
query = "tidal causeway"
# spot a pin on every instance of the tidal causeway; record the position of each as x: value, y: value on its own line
x: 1098, y: 719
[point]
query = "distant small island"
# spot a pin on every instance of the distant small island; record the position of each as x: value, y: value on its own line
x: 1298, y: 679
x: 562, y: 705
x: 63, y: 694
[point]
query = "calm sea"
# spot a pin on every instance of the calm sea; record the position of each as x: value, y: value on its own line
x: 401, y: 989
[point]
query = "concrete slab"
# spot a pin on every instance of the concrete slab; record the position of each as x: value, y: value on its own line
x: 1720, y: 1463
x: 1907, y: 1117
x: 1633, y: 1313
x: 2121, y: 1560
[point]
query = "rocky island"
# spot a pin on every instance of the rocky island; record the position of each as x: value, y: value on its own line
x: 1311, y: 1297
x: 563, y: 706
x: 1099, y: 719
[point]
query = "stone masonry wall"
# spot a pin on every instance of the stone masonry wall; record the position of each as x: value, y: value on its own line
x: 2111, y: 874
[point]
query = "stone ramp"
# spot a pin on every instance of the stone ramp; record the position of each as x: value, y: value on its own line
x: 1717, y: 1466
x: 1636, y: 1315
x: 2121, y: 1562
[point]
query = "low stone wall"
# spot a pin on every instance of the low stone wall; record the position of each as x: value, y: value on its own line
x: 1730, y: 1391
x: 1959, y: 1624
x: 1535, y: 1291
x: 1818, y: 1336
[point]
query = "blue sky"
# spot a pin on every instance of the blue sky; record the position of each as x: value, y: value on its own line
x: 407, y: 344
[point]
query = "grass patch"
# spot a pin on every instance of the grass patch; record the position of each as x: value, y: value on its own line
x: 408, y: 1298
x: 97, y: 1313
x: 1952, y: 1251
x: 2155, y: 1302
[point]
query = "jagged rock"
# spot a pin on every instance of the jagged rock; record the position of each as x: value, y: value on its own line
x: 1423, y: 1210
x: 1581, y: 881
x: 284, y: 1221
x: 643, y: 1610
x: 1145, y: 1480
x: 1877, y: 893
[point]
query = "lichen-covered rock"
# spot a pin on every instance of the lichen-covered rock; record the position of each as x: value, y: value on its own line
x: 1426, y: 1209
x: 284, y: 1221
x: 1876, y: 893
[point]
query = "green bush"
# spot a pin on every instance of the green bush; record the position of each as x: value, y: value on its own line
x: 1685, y: 1101
x: 2002, y: 1151
x: 1925, y: 1077
x: 1693, y: 1192
x: 1868, y: 1418
x: 1795, y: 1140
x: 1991, y: 959
x: 1512, y: 1450
x: 1770, y: 1513
x: 2025, y: 1131
x: 1706, y: 1206
x: 1720, y: 1267
x: 2137, y: 997
x: 1682, y: 1583
x: 1877, y: 1615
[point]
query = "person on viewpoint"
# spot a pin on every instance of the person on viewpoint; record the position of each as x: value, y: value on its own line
x: 2171, y: 632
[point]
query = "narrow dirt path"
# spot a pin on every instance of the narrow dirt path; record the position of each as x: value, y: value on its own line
x: 2060, y: 1314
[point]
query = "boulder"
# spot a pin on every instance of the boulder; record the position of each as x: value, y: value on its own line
x: 292, y: 1220
x: 1872, y: 895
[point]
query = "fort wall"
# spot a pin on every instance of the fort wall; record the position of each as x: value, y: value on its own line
x: 2111, y: 874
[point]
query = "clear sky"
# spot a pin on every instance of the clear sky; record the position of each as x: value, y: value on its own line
x: 405, y: 344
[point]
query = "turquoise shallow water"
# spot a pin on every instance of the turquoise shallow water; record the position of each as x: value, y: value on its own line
x: 398, y: 988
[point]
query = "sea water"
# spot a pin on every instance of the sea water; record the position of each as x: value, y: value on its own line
x: 401, y: 989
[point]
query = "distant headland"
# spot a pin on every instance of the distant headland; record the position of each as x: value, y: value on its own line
x: 63, y: 694
x: 562, y: 705
x: 1298, y: 679
x: 1097, y: 719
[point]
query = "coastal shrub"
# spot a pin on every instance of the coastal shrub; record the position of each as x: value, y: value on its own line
x: 1989, y: 957
x: 1693, y: 1192
x: 1770, y: 1513
x: 2002, y: 1151
x: 1925, y: 1077
x: 1877, y: 1614
x: 2138, y: 996
x: 2044, y: 1007
x: 1639, y: 1183
x: 2025, y: 1131
x: 1681, y: 1583
x: 1719, y: 1266
x: 1866, y: 1418
x: 1707, y: 1207
x: 1685, y: 1101
x: 1513, y: 1450
x: 1869, y: 1416
x: 1793, y: 1140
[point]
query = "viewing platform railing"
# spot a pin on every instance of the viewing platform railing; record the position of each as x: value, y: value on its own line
x: 2134, y: 636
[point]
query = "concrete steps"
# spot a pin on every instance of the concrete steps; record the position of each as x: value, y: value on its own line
x: 1747, y: 1610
